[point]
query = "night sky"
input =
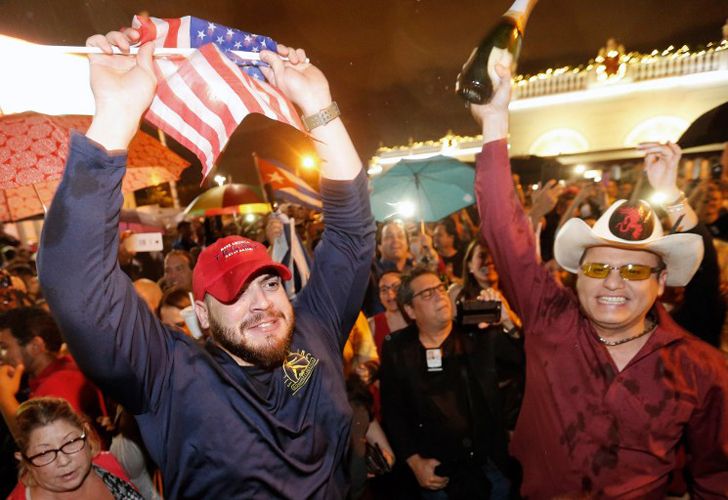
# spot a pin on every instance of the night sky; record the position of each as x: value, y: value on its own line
x: 391, y: 64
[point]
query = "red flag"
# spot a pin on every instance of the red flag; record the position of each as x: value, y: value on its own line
x: 201, y: 100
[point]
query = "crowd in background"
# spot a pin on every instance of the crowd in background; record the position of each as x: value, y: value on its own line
x: 33, y: 353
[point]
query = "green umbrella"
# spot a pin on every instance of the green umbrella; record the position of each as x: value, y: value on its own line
x: 436, y: 186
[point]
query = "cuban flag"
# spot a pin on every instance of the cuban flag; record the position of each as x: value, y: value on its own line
x: 201, y: 99
x: 287, y: 186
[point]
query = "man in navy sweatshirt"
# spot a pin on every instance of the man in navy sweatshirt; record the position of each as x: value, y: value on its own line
x: 261, y: 410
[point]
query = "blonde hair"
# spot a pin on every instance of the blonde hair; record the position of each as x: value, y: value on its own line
x: 39, y: 412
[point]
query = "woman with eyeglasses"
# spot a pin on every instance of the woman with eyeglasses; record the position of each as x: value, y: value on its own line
x: 391, y: 319
x: 59, y: 457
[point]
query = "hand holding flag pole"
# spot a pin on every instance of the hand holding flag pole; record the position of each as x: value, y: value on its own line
x: 170, y: 52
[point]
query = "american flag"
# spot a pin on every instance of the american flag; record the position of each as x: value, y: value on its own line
x: 287, y: 186
x: 200, y: 100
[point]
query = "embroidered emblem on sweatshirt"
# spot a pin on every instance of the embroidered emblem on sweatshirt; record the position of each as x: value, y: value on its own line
x: 297, y: 369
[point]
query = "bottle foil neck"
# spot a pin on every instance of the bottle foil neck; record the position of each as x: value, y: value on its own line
x: 520, y: 11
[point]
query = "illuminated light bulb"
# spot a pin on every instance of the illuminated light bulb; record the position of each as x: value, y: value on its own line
x: 406, y: 209
x: 250, y: 218
x: 308, y: 161
x: 658, y: 198
x: 375, y: 170
x: 579, y: 169
x: 220, y: 179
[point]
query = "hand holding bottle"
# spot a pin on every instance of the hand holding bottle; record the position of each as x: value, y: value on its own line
x: 493, y: 116
x: 479, y: 78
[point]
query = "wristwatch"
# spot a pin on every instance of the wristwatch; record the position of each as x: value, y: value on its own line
x: 322, y: 117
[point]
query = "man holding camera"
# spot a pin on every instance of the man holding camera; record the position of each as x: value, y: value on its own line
x: 441, y: 386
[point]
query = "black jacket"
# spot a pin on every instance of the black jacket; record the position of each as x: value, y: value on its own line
x: 434, y: 414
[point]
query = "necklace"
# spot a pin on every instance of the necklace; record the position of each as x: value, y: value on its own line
x: 611, y: 343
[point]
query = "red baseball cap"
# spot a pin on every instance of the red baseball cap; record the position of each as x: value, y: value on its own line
x: 224, y: 267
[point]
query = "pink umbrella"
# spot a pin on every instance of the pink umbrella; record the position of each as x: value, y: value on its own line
x: 33, y: 151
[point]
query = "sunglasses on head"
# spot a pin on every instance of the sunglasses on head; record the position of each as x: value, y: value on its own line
x: 630, y: 272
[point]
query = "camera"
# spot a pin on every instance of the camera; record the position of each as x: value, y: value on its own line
x: 473, y: 312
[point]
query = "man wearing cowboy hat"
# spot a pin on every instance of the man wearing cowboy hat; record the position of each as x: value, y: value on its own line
x: 613, y: 384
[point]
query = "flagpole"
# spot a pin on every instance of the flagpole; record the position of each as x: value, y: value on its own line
x: 158, y: 51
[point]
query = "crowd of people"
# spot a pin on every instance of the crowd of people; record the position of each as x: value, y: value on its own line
x: 560, y: 342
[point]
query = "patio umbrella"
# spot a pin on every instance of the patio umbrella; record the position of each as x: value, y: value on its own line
x: 709, y: 128
x: 33, y: 151
x: 437, y: 186
x: 228, y: 199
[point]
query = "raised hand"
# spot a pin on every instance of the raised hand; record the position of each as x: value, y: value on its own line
x: 661, y: 165
x: 545, y: 199
x: 123, y: 87
x: 10, y: 377
x: 493, y: 295
x: 302, y: 82
x: 493, y: 116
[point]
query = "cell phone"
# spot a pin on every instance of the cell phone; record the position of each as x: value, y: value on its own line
x: 473, y: 312
x: 144, y: 242
x: 550, y: 170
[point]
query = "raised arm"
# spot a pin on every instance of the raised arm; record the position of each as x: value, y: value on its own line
x: 342, y: 259
x: 307, y: 87
x: 527, y: 286
x: 661, y: 164
x: 114, y: 337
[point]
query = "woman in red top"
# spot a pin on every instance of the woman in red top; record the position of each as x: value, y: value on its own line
x: 59, y: 457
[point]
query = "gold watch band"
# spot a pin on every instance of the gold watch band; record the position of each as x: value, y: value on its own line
x: 322, y: 117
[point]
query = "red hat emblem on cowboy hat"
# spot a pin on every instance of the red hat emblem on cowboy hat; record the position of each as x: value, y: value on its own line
x: 632, y: 222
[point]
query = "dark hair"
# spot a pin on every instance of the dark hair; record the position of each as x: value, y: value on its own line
x: 386, y: 272
x: 184, y: 225
x: 21, y: 270
x: 405, y: 293
x: 26, y: 323
x: 176, y: 297
x: 39, y: 412
x: 184, y: 254
x: 471, y: 287
x: 450, y: 229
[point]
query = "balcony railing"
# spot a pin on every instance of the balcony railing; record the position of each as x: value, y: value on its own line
x: 632, y: 68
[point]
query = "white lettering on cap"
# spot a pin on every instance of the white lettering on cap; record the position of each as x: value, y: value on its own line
x: 233, y: 248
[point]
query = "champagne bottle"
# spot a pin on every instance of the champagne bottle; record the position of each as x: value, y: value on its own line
x: 502, y: 45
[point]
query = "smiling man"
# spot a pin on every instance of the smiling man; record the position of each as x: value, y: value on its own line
x: 614, y: 385
x: 261, y: 411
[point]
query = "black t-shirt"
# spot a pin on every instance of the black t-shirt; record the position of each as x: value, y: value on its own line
x: 456, y: 261
x: 719, y: 227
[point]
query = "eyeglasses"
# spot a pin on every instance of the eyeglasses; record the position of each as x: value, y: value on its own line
x: 428, y: 293
x: 68, y: 448
x: 389, y: 288
x: 629, y: 272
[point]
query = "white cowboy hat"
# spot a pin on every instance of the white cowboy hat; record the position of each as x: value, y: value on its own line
x: 632, y: 227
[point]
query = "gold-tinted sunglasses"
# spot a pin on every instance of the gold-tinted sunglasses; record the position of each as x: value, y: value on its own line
x: 630, y: 272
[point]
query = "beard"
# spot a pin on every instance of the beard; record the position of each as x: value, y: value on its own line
x: 269, y: 353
